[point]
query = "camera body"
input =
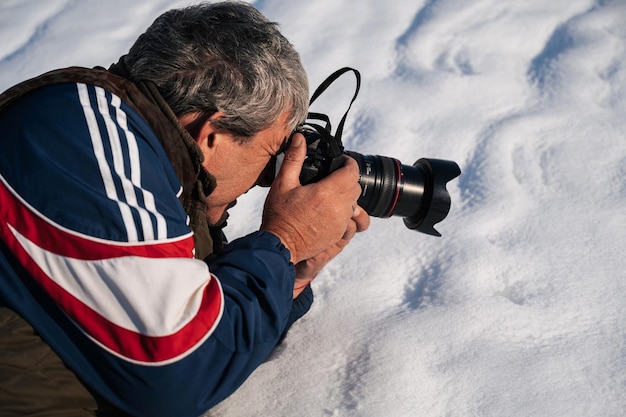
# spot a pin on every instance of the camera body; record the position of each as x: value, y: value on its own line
x: 324, y: 153
x: 388, y: 188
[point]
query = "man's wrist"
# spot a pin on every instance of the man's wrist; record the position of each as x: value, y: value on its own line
x: 287, y: 245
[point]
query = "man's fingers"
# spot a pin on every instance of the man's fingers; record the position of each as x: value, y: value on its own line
x: 361, y: 218
x: 292, y: 162
x: 351, y: 230
x: 346, y: 176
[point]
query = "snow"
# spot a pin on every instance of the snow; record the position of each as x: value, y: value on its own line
x: 518, y: 310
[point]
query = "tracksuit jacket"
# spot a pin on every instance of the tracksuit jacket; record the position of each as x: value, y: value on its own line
x: 105, y: 250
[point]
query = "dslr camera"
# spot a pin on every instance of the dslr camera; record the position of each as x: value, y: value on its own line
x: 417, y: 193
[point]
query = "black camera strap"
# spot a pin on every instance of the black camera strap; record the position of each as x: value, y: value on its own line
x: 323, y: 87
x: 325, y: 151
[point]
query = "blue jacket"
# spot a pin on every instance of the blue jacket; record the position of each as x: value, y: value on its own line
x: 97, y: 255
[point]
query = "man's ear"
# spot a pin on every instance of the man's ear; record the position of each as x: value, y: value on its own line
x: 202, y: 129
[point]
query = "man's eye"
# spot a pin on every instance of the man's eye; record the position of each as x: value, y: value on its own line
x: 283, y: 148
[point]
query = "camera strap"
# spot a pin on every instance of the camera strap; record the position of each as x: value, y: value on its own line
x: 327, y: 147
x: 323, y: 87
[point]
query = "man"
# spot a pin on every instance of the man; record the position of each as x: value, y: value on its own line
x: 116, y: 295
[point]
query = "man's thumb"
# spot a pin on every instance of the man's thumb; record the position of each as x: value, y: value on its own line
x: 293, y: 160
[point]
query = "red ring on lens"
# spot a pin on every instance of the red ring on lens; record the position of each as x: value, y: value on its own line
x: 399, y: 185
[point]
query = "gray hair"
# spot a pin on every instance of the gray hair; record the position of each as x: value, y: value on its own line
x: 223, y: 57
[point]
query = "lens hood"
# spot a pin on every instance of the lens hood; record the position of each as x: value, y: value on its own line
x: 437, y: 173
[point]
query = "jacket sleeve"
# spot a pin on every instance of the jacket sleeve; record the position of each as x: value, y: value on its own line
x: 102, y: 260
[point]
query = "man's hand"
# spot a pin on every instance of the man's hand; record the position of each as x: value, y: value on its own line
x: 307, y: 270
x: 317, y: 220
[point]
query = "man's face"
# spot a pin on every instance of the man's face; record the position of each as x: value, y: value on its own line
x: 237, y: 167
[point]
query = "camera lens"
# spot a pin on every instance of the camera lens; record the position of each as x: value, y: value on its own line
x: 388, y: 187
x: 417, y: 193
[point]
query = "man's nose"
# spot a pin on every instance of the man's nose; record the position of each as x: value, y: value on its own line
x: 267, y: 175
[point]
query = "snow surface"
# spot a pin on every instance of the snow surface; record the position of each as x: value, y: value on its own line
x: 518, y: 310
